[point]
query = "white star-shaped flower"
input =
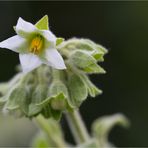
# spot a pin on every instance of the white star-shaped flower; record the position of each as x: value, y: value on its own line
x: 35, y: 46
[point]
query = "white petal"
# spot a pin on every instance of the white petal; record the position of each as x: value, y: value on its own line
x: 54, y: 59
x: 14, y: 43
x: 49, y: 35
x: 29, y: 62
x: 50, y: 38
x: 24, y: 28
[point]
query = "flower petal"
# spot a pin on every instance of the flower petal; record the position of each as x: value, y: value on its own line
x: 54, y: 59
x: 29, y: 62
x: 50, y: 38
x: 24, y: 28
x: 15, y: 43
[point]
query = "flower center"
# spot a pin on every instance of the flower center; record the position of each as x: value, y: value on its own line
x: 36, y: 44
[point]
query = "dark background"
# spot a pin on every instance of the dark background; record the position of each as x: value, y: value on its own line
x: 122, y: 27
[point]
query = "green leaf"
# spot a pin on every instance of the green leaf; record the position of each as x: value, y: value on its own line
x: 84, y: 61
x: 102, y: 126
x: 59, y: 41
x: 77, y: 90
x: 43, y: 23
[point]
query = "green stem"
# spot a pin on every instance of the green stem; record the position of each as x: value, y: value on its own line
x: 77, y: 127
x: 48, y: 128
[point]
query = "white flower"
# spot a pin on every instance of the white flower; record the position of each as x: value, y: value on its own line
x: 35, y: 46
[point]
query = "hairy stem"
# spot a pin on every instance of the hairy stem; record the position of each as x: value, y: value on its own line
x: 77, y: 127
x: 48, y: 129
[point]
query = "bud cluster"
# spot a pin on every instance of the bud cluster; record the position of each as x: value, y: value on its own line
x: 49, y: 91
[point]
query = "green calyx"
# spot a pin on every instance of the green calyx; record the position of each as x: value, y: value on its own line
x: 43, y: 23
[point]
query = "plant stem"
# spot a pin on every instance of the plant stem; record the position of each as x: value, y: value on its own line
x: 77, y: 127
x: 48, y: 129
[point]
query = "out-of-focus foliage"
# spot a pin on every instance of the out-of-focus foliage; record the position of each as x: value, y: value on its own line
x: 51, y: 134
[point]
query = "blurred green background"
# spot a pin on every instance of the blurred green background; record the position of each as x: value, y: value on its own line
x: 122, y: 27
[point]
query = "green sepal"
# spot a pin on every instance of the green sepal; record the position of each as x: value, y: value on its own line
x: 99, y: 51
x: 6, y: 87
x: 77, y: 89
x: 84, y: 61
x: 38, y: 95
x: 3, y: 88
x: 97, y: 46
x: 3, y: 93
x: 59, y: 102
x: 43, y: 23
x: 58, y: 87
x: 3, y: 100
x: 14, y: 27
x: 59, y: 41
x: 25, y: 101
x: 96, y: 50
x: 46, y: 111
x: 56, y: 114
x: 92, y: 89
x: 93, y: 45
x: 57, y: 91
x: 15, y: 98
x: 94, y: 69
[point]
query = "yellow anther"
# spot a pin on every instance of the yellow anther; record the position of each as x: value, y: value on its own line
x: 36, y: 44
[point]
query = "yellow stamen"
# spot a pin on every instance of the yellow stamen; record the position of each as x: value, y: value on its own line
x: 36, y: 44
